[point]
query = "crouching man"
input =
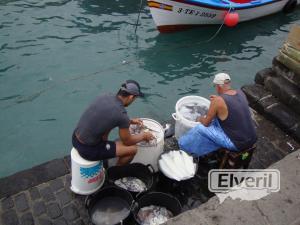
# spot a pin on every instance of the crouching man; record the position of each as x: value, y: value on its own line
x: 105, y: 113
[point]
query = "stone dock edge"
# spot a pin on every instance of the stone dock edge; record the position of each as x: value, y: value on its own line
x: 34, y: 176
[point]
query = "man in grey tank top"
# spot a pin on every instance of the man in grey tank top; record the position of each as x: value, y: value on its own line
x: 228, y: 123
x: 105, y: 113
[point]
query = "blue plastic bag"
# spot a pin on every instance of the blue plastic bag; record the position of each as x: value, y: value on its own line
x: 201, y: 140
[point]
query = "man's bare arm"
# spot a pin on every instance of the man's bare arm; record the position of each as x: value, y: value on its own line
x: 129, y: 139
x: 212, y: 111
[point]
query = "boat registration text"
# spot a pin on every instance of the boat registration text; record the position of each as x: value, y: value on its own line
x: 195, y: 13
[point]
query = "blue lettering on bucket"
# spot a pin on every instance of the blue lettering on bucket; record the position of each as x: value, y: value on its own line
x: 90, y: 172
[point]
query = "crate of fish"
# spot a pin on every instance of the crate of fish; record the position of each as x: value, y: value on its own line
x: 148, y: 153
x: 156, y: 208
x: 135, y: 177
x: 187, y: 110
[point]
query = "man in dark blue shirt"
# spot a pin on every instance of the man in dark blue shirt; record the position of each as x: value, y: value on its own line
x: 105, y: 113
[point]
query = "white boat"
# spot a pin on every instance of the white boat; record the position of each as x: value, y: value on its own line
x: 174, y: 15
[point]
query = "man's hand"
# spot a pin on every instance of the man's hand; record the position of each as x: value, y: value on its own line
x: 201, y: 119
x: 136, y: 121
x: 212, y: 111
x: 212, y: 97
x: 148, y: 136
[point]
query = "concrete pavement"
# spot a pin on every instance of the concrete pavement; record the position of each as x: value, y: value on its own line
x: 280, y: 208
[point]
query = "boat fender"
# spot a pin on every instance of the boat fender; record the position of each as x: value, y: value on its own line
x: 290, y: 6
x: 231, y: 19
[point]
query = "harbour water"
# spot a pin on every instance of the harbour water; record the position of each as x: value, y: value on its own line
x: 57, y: 55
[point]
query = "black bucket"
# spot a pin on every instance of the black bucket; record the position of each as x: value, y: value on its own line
x: 138, y: 170
x: 158, y: 199
x: 111, y: 205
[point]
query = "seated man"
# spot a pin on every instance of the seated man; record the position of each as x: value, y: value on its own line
x: 228, y: 122
x: 90, y: 137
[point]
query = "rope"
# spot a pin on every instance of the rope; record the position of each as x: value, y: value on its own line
x: 218, y: 31
x: 215, y: 35
x: 138, y: 19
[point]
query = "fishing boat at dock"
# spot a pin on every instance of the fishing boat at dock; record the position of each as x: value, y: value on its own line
x: 175, y: 15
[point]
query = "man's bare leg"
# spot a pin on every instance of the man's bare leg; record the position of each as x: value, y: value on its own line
x: 125, y: 153
x: 124, y: 160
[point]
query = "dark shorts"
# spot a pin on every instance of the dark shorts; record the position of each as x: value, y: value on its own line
x: 101, y: 151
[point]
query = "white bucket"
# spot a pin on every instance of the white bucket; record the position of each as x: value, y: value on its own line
x: 87, y: 176
x: 182, y: 125
x: 150, y: 154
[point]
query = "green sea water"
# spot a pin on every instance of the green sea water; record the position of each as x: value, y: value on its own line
x: 56, y: 56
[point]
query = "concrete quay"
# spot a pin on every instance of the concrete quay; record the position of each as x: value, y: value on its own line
x: 276, y: 95
x: 41, y: 195
x: 279, y: 208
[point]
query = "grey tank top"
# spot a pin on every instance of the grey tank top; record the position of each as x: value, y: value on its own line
x: 238, y: 126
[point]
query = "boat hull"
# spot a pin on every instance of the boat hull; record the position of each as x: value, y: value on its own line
x: 174, y: 15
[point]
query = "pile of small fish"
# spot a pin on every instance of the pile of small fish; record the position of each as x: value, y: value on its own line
x: 192, y: 111
x: 177, y: 165
x: 153, y: 215
x: 136, y: 129
x: 131, y: 184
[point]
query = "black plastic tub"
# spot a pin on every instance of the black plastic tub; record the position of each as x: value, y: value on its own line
x: 159, y: 199
x: 110, y: 206
x: 143, y: 172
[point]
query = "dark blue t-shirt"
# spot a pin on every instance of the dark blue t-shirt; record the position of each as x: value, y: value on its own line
x: 104, y: 114
x: 238, y: 126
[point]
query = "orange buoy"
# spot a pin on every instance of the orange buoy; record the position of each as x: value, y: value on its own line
x: 231, y: 19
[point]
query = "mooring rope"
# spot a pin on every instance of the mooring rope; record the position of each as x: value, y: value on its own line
x: 218, y: 31
x: 138, y: 19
